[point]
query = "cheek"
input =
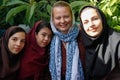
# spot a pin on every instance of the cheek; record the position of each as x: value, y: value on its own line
x: 56, y: 22
x: 70, y: 20
x: 38, y: 39
x: 9, y: 43
x: 22, y: 46
x: 49, y: 41
x: 85, y: 27
x: 100, y: 26
x: 10, y: 46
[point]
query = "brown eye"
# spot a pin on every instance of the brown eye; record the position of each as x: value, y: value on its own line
x: 85, y: 22
x: 57, y: 18
x: 66, y: 16
x: 23, y: 41
x: 49, y: 36
x: 95, y: 18
x: 43, y: 34
x: 14, y: 39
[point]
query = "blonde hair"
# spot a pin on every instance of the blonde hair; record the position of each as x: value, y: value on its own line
x: 62, y: 4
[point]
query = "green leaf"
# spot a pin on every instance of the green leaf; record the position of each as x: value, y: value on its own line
x: 119, y: 18
x: 104, y: 6
x: 115, y: 19
x: 1, y: 7
x: 78, y: 3
x: 32, y: 9
x: 49, y: 8
x: 117, y: 28
x: 112, y: 2
x: 27, y: 14
x: 16, y: 2
x: 109, y: 12
x: 11, y: 21
x: 14, y: 11
x: 41, y: 2
x: 31, y: 1
x: 114, y: 8
x: 4, y: 2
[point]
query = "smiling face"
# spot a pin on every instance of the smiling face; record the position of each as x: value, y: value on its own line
x: 43, y: 37
x: 62, y: 18
x: 92, y: 23
x: 16, y: 42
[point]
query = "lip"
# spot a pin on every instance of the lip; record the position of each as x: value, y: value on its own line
x: 63, y: 25
x: 17, y: 49
x: 44, y: 43
x: 93, y: 29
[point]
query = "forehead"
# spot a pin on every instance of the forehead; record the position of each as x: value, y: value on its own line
x: 19, y: 35
x: 89, y: 12
x: 46, y: 30
x: 61, y: 10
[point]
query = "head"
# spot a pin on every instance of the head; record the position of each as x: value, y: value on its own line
x: 61, y: 16
x: 43, y: 33
x: 92, y: 21
x: 15, y: 38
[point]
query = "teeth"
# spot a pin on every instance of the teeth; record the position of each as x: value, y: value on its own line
x: 63, y: 26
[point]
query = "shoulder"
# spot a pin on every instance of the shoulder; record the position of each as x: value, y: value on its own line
x: 114, y: 40
x: 114, y: 33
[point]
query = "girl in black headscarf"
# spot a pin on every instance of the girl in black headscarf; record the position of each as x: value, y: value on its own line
x: 11, y: 46
x: 101, y: 42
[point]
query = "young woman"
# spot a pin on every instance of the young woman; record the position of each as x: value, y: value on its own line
x: 34, y: 64
x: 65, y: 58
x: 11, y: 46
x: 102, y: 43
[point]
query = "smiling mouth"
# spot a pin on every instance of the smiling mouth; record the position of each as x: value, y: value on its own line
x: 93, y: 29
x: 63, y: 26
x: 17, y: 49
x: 45, y: 43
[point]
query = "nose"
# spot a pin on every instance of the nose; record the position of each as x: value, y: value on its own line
x: 46, y: 38
x: 62, y: 20
x: 91, y: 24
x: 18, y: 43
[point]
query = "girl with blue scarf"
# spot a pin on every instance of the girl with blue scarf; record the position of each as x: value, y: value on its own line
x: 66, y: 46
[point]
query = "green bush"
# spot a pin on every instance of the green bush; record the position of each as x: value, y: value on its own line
x: 14, y: 12
x: 26, y: 12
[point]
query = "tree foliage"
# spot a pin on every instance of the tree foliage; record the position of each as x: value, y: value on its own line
x: 14, y: 12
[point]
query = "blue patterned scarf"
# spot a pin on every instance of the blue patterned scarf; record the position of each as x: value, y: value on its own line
x: 74, y: 69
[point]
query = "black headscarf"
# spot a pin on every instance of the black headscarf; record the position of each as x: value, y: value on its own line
x: 9, y: 62
x: 100, y: 51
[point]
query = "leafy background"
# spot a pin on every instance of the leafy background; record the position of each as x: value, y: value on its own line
x: 27, y: 12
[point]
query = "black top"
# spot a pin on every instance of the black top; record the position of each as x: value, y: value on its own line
x: 101, y: 52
